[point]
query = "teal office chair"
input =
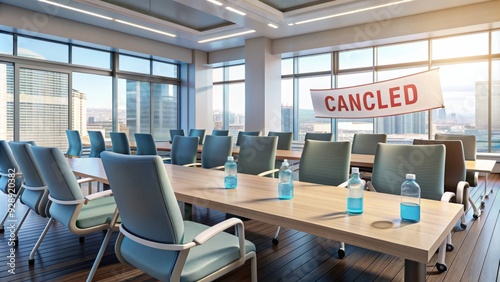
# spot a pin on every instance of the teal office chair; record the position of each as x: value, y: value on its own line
x: 156, y: 240
x: 11, y: 177
x: 200, y: 133
x: 318, y: 136
x: 75, y: 147
x: 427, y: 162
x: 184, y: 150
x: 119, y: 141
x: 454, y: 176
x: 216, y: 132
x: 367, y: 143
x: 325, y: 163
x: 215, y: 151
x: 284, y: 139
x: 257, y: 155
x: 80, y: 215
x: 145, y: 144
x: 35, y: 193
x: 469, y: 143
x: 249, y: 133
x: 97, y: 143
x: 175, y: 132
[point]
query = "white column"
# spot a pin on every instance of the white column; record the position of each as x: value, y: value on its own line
x: 200, y: 93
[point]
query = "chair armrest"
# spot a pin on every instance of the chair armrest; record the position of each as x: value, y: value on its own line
x: 370, y: 187
x: 446, y: 197
x: 84, y: 180
x: 69, y: 203
x: 160, y: 246
x: 461, y: 189
x: 34, y: 188
x: 166, y: 159
x: 192, y: 164
x: 343, y: 184
x: 218, y: 167
x: 268, y: 172
x: 98, y: 195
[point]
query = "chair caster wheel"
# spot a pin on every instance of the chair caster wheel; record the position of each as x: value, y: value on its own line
x: 475, y: 216
x: 16, y: 241
x: 31, y: 262
x: 463, y: 226
x: 275, y: 241
x: 341, y: 253
x: 82, y: 239
x: 449, y: 247
x: 441, y: 267
x: 2, y: 230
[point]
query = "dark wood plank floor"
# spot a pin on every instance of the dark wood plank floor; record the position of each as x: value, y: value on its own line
x: 299, y: 256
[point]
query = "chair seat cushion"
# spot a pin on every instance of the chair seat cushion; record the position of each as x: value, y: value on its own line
x: 96, y: 212
x: 202, y: 260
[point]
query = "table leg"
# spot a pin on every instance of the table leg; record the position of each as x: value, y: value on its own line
x: 188, y: 211
x: 415, y: 271
x: 485, y: 194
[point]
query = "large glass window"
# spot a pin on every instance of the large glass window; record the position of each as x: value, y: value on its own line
x: 402, y: 53
x: 41, y: 49
x: 90, y: 57
x: 43, y: 106
x: 6, y: 101
x: 287, y: 105
x: 164, y: 110
x: 165, y: 69
x: 218, y: 106
x: 236, y: 72
x: 315, y: 63
x: 134, y: 64
x: 92, y: 104
x: 287, y: 66
x: 6, y: 44
x: 134, y: 107
x: 236, y: 108
x: 460, y: 46
x: 495, y: 106
x: 359, y: 58
x: 465, y: 94
x: 495, y: 42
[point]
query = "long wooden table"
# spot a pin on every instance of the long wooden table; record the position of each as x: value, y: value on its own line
x: 315, y: 209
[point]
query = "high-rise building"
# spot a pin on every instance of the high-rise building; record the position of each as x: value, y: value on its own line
x: 481, y: 119
x: 287, y: 118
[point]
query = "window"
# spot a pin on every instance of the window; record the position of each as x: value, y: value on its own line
x: 495, y: 105
x: 44, y: 105
x: 134, y: 64
x: 164, y: 110
x: 43, y: 50
x: 218, y: 74
x: 7, y: 101
x: 402, y: 53
x: 218, y: 107
x: 460, y: 46
x: 134, y: 107
x: 236, y: 72
x: 495, y: 42
x: 287, y: 105
x: 91, y: 57
x: 92, y: 104
x: 236, y: 108
x: 6, y: 44
x: 315, y: 63
x: 287, y: 66
x: 165, y: 69
x: 359, y: 58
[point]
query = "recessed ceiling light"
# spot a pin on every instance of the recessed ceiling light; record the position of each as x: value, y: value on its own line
x: 235, y: 11
x: 272, y: 25
x: 215, y: 2
x: 75, y: 9
x: 352, y: 12
x: 146, y: 28
x: 225, y: 36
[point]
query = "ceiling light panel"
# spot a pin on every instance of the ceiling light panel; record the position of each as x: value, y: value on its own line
x: 235, y: 11
x: 225, y: 36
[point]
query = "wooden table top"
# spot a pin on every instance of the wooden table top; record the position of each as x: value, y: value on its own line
x: 315, y: 209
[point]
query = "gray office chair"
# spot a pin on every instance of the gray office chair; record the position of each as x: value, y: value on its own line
x: 10, y: 177
x: 119, y: 141
x: 175, y: 132
x: 257, y: 155
x: 469, y: 143
x: 319, y: 136
x: 367, y: 143
x: 75, y: 146
x: 200, y: 133
x: 427, y: 162
x: 184, y: 150
x: 249, y: 133
x: 145, y: 144
x: 215, y: 151
x: 325, y: 163
x: 155, y: 238
x: 97, y: 144
x: 216, y: 132
x: 284, y: 139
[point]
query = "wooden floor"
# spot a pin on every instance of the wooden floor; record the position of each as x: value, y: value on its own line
x: 299, y: 256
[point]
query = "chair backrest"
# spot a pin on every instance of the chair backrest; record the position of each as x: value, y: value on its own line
x: 200, y: 133
x: 367, y: 143
x: 454, y: 169
x: 284, y: 139
x: 394, y: 161
x: 60, y: 181
x: 468, y: 141
x: 257, y: 154
x: 216, y: 132
x: 249, y: 133
x: 175, y: 132
x: 75, y: 146
x: 159, y: 218
x: 8, y: 166
x: 145, y: 144
x: 216, y: 150
x: 318, y: 136
x: 184, y: 150
x: 325, y: 162
x: 35, y: 199
x: 119, y: 141
x: 97, y: 144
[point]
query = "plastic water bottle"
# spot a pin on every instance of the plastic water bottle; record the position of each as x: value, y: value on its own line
x: 285, y: 185
x: 410, y: 199
x: 355, y: 188
x: 230, y: 173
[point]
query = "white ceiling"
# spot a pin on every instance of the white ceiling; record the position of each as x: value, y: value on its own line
x: 195, y: 20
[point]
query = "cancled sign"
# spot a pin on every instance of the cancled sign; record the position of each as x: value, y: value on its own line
x: 408, y: 94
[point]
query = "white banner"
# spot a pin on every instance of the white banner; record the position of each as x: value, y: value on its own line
x: 407, y: 94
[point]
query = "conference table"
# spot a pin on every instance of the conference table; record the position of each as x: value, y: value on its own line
x: 316, y: 209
